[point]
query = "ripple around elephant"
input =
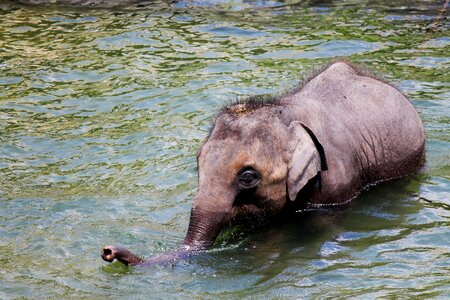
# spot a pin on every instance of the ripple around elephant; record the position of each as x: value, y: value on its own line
x: 319, y: 145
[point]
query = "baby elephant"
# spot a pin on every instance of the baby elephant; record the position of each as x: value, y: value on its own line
x: 319, y: 145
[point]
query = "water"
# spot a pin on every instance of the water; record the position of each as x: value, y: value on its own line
x: 102, y: 112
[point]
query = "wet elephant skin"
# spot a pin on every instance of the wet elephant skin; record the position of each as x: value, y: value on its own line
x: 318, y: 145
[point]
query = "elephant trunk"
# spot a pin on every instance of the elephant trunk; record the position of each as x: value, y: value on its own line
x: 125, y: 256
x: 206, y: 222
x: 203, y: 229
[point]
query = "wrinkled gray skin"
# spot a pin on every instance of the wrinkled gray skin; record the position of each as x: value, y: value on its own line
x: 320, y: 145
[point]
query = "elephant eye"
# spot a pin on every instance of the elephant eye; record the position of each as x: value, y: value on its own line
x: 248, y: 179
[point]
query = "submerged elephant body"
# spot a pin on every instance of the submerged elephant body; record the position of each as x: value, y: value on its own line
x: 319, y: 145
x: 369, y: 131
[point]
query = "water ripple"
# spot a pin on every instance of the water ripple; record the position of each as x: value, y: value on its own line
x: 102, y: 112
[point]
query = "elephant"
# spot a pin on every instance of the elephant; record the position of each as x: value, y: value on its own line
x: 318, y: 145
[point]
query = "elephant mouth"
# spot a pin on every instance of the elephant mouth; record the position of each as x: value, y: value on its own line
x: 252, y: 216
x: 249, y: 209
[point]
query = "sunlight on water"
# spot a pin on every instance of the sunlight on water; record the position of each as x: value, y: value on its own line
x: 102, y: 111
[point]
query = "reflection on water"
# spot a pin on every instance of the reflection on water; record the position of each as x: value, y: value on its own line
x: 102, y: 112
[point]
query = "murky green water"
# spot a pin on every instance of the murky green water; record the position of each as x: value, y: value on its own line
x: 102, y: 112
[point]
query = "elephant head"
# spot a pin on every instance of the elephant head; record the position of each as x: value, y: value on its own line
x: 250, y: 167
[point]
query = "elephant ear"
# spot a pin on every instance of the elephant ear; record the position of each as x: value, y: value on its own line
x: 307, y: 159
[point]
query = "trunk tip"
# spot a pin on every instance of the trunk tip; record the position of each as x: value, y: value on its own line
x: 108, y: 253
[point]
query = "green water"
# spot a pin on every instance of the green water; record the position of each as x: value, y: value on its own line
x: 102, y: 112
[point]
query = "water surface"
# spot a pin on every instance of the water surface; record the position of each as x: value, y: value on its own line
x: 102, y: 111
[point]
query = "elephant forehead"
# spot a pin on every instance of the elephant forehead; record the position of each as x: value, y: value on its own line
x: 231, y: 156
x: 249, y: 128
x: 228, y: 151
x: 256, y: 140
